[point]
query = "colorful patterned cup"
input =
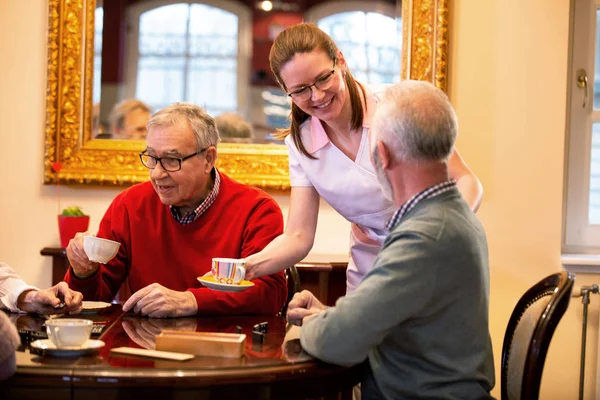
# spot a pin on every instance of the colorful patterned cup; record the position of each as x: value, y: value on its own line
x: 229, y: 270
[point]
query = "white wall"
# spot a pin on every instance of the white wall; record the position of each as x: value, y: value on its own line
x: 508, y: 64
x: 508, y: 76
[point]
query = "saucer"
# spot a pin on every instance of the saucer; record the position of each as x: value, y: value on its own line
x: 90, y: 307
x: 210, y: 282
x: 48, y: 348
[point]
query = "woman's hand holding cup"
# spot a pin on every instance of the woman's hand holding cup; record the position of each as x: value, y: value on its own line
x: 229, y: 271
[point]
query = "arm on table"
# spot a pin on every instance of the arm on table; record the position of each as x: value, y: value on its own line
x: 346, y: 333
x: 11, y: 287
x: 46, y: 301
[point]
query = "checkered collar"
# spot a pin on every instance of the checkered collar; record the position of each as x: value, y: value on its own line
x: 428, y: 193
x: 193, y: 215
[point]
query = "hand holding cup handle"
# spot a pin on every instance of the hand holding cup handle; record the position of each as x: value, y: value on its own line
x: 240, y: 273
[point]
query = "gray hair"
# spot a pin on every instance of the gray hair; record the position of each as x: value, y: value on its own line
x: 202, y: 124
x: 122, y: 109
x: 416, y: 121
x: 231, y: 125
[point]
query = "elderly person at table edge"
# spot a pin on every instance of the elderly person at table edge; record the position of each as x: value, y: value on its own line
x: 17, y: 296
x: 420, y: 316
x: 171, y: 227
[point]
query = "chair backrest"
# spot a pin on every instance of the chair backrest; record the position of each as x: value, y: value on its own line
x: 293, y: 286
x: 528, y: 335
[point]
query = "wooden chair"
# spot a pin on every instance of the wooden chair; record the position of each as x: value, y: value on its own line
x: 293, y: 286
x: 528, y: 335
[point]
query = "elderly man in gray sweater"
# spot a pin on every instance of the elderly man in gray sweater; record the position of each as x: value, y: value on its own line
x: 420, y: 316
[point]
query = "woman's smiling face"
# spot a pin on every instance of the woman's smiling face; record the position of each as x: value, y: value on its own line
x: 304, y: 69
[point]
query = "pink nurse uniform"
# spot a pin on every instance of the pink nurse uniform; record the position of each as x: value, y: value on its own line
x: 350, y: 187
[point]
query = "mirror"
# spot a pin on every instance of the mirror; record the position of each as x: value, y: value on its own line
x: 115, y: 162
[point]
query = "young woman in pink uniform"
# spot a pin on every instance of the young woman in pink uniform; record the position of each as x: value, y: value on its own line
x: 329, y: 155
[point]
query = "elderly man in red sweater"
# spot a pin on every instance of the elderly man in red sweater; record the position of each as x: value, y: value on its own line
x: 171, y: 227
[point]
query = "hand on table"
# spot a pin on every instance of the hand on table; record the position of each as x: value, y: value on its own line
x: 44, y: 301
x: 157, y: 301
x: 81, y: 264
x: 303, y: 305
x: 292, y: 350
x: 143, y: 331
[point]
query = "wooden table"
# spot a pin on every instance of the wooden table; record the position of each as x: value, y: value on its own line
x: 276, y: 369
x: 322, y: 274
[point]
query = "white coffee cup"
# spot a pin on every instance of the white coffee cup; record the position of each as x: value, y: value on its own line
x: 229, y: 270
x: 68, y: 332
x: 100, y: 250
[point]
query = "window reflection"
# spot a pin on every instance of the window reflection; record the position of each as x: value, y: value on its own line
x: 370, y: 43
x: 594, y: 204
x: 594, y: 211
x: 188, y: 52
x: 98, y: 21
x: 192, y: 52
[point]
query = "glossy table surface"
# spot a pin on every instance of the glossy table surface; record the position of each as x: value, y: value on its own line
x: 275, y: 368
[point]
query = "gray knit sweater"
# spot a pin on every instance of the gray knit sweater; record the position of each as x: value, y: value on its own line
x: 421, y: 314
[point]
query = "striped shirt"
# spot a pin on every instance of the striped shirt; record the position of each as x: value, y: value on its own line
x: 193, y: 215
x: 428, y: 193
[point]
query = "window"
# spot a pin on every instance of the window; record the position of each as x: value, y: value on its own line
x: 369, y: 35
x: 186, y: 52
x: 98, y: 21
x: 582, y: 217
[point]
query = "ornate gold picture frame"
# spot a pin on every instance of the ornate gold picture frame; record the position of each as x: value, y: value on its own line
x: 115, y: 162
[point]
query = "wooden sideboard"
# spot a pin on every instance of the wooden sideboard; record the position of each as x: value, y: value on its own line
x: 322, y: 274
x: 60, y: 262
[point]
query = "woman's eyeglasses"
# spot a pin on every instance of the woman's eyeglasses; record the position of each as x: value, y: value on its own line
x: 323, y: 83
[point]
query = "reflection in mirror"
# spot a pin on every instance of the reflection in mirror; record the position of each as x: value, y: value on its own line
x: 370, y: 38
x: 197, y: 52
x: 80, y: 62
x: 127, y: 120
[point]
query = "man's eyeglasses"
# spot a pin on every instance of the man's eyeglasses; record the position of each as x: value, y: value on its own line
x: 323, y: 83
x: 170, y: 164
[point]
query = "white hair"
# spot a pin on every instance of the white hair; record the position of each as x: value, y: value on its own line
x: 202, y: 124
x: 416, y: 121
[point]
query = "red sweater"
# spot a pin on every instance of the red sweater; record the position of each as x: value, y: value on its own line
x: 156, y: 248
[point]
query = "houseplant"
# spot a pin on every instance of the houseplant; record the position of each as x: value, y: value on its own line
x: 71, y: 221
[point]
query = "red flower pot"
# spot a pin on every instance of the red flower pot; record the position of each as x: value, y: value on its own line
x: 69, y: 226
